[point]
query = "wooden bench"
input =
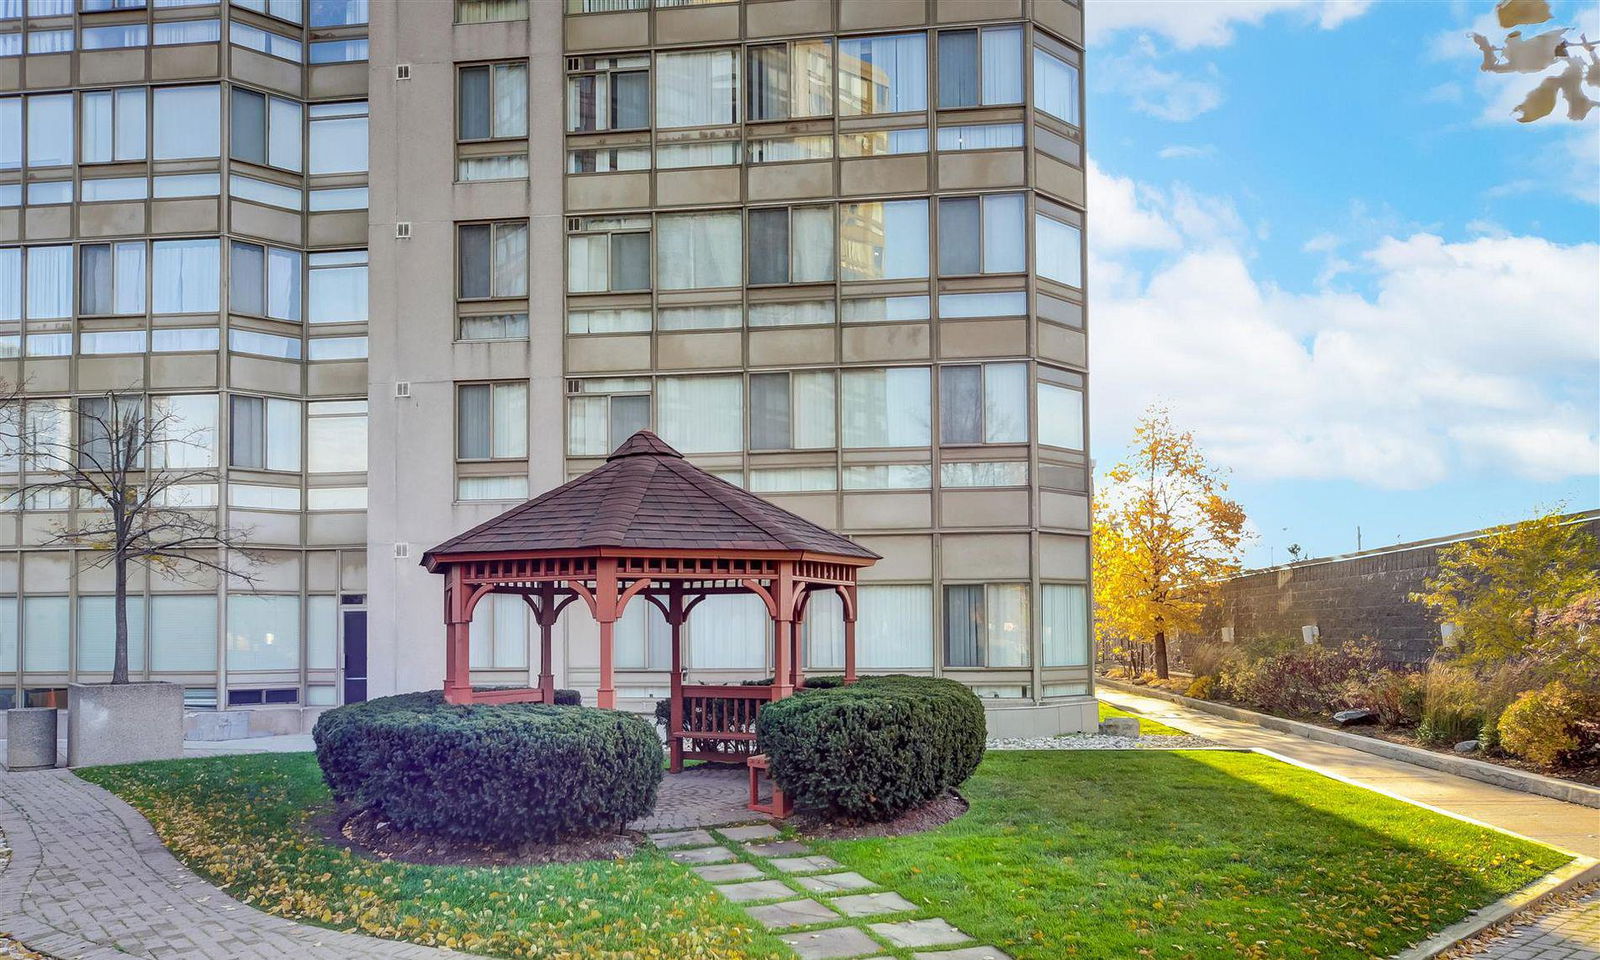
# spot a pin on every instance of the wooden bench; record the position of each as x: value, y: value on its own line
x: 780, y: 805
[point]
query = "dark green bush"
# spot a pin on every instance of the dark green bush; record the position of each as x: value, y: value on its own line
x: 490, y: 773
x: 874, y: 749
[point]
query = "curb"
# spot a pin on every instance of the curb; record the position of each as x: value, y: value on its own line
x: 1508, y: 777
x: 1579, y: 872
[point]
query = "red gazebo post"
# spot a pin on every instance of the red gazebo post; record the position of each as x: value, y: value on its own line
x: 847, y: 594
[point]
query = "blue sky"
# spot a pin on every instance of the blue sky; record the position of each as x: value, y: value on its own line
x: 1317, y: 235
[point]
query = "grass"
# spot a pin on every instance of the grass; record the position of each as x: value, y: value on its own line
x: 1113, y: 854
x: 1146, y: 727
x: 1197, y: 854
x: 240, y: 822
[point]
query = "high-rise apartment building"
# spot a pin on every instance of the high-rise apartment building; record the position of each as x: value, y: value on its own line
x: 829, y: 249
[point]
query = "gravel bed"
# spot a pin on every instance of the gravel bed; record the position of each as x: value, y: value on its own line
x: 1097, y: 741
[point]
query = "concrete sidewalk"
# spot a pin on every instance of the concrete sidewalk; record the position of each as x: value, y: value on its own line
x: 1564, y: 825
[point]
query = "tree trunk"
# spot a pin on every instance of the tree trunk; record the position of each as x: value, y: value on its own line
x: 1161, y: 654
x: 119, y: 669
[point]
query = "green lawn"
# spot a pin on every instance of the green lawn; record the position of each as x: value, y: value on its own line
x: 1110, y: 854
x: 1146, y: 727
x: 1192, y: 854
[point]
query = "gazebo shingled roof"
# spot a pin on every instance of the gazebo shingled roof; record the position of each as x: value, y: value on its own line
x: 647, y: 497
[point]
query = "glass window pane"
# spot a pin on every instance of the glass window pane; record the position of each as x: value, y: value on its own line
x: 769, y: 245
x: 187, y: 122
x: 963, y: 625
x: 1066, y: 625
x: 769, y: 82
x: 185, y: 276
x: 246, y: 273
x: 472, y: 422
x: 96, y: 119
x: 1060, y: 254
x: 183, y: 634
x: 887, y: 74
x: 959, y: 235
x: 769, y: 411
x: 698, y: 250
x: 883, y: 241
x: 510, y: 100
x: 247, y: 135
x: 894, y: 626
x: 97, y: 633
x: 263, y: 632
x: 1006, y: 625
x: 697, y: 88
x: 1005, y: 233
x: 885, y: 408
x: 1002, y: 65
x: 10, y: 133
x: 283, y: 284
x: 510, y: 426
x: 49, y: 282
x: 510, y: 260
x: 283, y: 434
x: 811, y: 231
x: 960, y: 407
x: 958, y: 68
x: 702, y: 414
x: 473, y: 254
x: 50, y: 130
x: 813, y: 403
x: 1055, y: 86
x: 285, y: 146
x: 247, y: 425
x: 1005, y: 403
x: 630, y: 100
x: 1060, y: 416
x: 339, y: 143
x: 472, y: 103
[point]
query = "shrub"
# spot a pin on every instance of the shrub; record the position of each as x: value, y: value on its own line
x: 1453, y: 707
x: 503, y: 773
x: 1552, y: 725
x: 1202, y: 688
x: 1395, y: 695
x: 1307, y: 680
x: 875, y: 749
x: 1206, y: 659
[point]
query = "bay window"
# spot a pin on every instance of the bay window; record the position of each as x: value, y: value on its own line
x: 702, y: 414
x: 792, y: 411
x: 791, y: 244
x: 263, y: 632
x: 986, y: 234
x: 492, y: 101
x: 980, y: 67
x: 983, y: 473
x: 264, y: 433
x: 980, y: 136
x: 492, y: 421
x: 336, y: 436
x: 790, y: 80
x: 188, y: 122
x: 883, y: 74
x: 1065, y: 622
x: 697, y: 88
x: 172, y: 33
x: 986, y: 625
x: 885, y: 407
x: 264, y: 281
x: 111, y: 278
x: 493, y: 259
x: 983, y: 403
x: 698, y: 250
x: 1058, y: 245
x: 609, y: 253
x: 50, y: 129
x: 609, y: 93
x: 606, y: 411
x: 1055, y: 80
x: 185, y: 276
x: 336, y: 287
x: 1060, y: 397
x: 113, y: 125
x: 894, y: 626
x: 338, y: 135
x: 264, y: 41
x: 883, y: 240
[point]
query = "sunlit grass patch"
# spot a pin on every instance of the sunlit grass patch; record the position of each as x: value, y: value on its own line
x: 1146, y: 727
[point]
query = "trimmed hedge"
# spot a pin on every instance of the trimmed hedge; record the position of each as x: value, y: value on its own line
x: 874, y: 749
x: 503, y: 773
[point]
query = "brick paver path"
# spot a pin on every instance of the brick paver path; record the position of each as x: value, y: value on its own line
x: 89, y: 879
x: 701, y: 796
x: 1571, y: 932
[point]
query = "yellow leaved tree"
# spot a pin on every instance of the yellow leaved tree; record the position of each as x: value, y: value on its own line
x: 1164, y: 534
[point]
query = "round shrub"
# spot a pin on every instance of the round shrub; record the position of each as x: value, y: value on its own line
x: 1551, y: 725
x: 504, y: 773
x: 874, y: 749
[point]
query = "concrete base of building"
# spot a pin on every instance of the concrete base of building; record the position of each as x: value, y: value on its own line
x: 1077, y: 715
x: 123, y: 723
x: 31, y: 738
x: 214, y: 725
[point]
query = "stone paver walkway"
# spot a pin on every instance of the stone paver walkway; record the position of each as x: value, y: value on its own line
x: 701, y: 796
x: 811, y: 903
x: 1564, y: 825
x: 1571, y: 932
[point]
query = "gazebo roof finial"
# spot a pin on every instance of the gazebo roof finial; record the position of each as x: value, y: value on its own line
x: 644, y: 444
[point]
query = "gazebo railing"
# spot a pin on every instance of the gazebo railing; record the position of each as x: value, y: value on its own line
x: 719, y: 721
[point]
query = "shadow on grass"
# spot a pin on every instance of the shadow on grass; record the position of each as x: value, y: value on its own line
x: 1121, y: 854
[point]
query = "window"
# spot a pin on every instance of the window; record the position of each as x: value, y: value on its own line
x: 113, y: 124
x: 983, y: 403
x: 729, y: 631
x: 264, y: 41
x: 10, y: 133
x: 46, y: 192
x: 791, y: 245
x: 697, y: 88
x: 50, y: 129
x: 492, y: 488
x: 792, y: 411
x: 495, y: 326
x: 265, y: 130
x: 338, y: 198
x: 11, y: 46
x: 49, y: 41
x: 184, y: 339
x: 188, y: 185
x: 264, y: 433
x: 1060, y: 409
x: 336, y: 287
x: 492, y: 101
x: 97, y: 633
x: 611, y: 93
x: 698, y: 250
x: 717, y: 316
x: 793, y: 479
x: 183, y: 634
x: 790, y: 80
x: 1059, y: 255
x: 338, y: 348
x: 798, y: 314
x: 338, y: 13
x: 886, y: 407
x: 264, y: 281
x: 492, y: 421
x: 1004, y: 303
x: 338, y: 134
x: 108, y: 188
x: 505, y: 166
x: 111, y: 278
x: 264, y: 344
x: 980, y: 136
x: 289, y: 10
x: 101, y: 418
x: 498, y: 639
x: 1065, y: 622
x: 607, y: 412
x: 983, y: 473
x: 187, y: 122
x: 354, y: 50
x: 257, y: 496
x: 697, y: 153
x: 885, y: 240
x: 894, y: 626
x: 336, y: 436
x: 485, y: 11
x: 263, y: 632
x: 103, y: 342
x: 872, y: 143
x: 115, y: 36
x: 986, y: 625
x: 44, y: 634
x: 609, y: 320
x: 49, y: 274
x: 493, y: 259
x: 642, y: 639
x: 608, y: 159
x: 889, y: 476
x: 885, y: 309
x: 1055, y: 82
x: 884, y: 74
x: 702, y: 414
x: 187, y: 427
x: 169, y: 33
x: 980, y: 72
x: 985, y: 234
x: 336, y: 498
x: 790, y: 149
x: 185, y: 276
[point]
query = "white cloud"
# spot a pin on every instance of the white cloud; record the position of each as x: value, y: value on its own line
x: 1163, y: 94
x: 1124, y: 221
x: 1181, y: 151
x: 1209, y: 23
x: 1470, y: 355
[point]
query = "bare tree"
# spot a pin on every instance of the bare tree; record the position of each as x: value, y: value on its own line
x: 131, y: 468
x: 1537, y: 54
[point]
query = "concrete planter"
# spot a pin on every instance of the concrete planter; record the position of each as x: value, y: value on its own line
x: 123, y: 723
x: 31, y: 738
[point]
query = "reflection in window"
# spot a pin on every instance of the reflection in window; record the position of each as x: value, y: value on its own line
x: 883, y: 240
x: 884, y: 74
x: 789, y: 80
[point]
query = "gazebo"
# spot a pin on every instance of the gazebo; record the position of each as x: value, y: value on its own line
x: 648, y: 525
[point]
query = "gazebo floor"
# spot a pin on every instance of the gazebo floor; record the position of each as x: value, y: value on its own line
x: 703, y: 796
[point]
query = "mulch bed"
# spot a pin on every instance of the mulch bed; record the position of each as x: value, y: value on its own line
x: 926, y: 817
x: 365, y: 833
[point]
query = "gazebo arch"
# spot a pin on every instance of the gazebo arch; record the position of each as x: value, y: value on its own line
x: 648, y: 526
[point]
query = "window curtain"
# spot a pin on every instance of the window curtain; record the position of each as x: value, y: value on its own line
x: 1005, y: 403
x: 586, y: 426
x: 499, y: 637
x: 586, y: 264
x: 980, y: 136
x: 812, y: 244
x: 958, y: 68
x: 339, y: 144
x: 510, y: 260
x: 905, y: 239
x: 1066, y: 625
x: 187, y: 122
x: 798, y: 314
x: 263, y: 632
x: 322, y: 633
x: 769, y: 411
x: 1060, y: 416
x: 285, y: 145
x: 510, y: 410
x: 697, y: 250
x: 50, y: 129
x: 95, y: 279
x: 44, y: 634
x: 894, y: 627
x: 1059, y: 250
x: 1002, y: 65
x: 183, y: 634
x: 98, y: 122
x: 510, y: 100
x: 485, y: 11
x: 128, y: 296
x: 642, y: 639
x: 824, y: 631
x: 886, y: 408
x: 492, y: 488
x: 729, y: 631
x: 1055, y: 86
x: 1006, y: 625
x: 97, y: 633
x: 49, y: 282
x: 1005, y: 233
x: 283, y: 284
x: 11, y: 283
x: 697, y: 89
x: 815, y: 400
x: 886, y: 74
x: 283, y: 434
x: 963, y: 626
x: 702, y: 414
x: 186, y: 276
